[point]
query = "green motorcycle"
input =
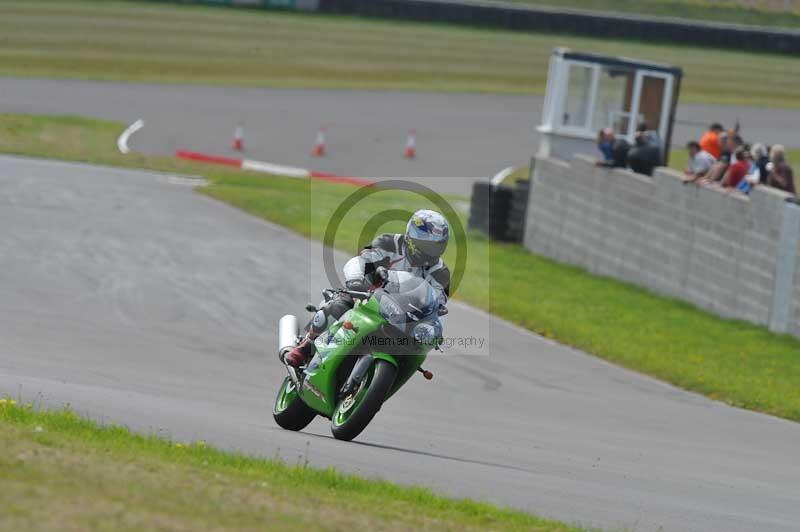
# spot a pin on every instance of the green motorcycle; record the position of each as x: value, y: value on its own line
x: 363, y: 358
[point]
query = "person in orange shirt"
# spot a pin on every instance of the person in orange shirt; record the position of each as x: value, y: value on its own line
x: 710, y: 141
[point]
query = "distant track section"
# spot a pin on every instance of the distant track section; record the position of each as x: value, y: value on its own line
x: 498, y: 14
x: 575, y: 21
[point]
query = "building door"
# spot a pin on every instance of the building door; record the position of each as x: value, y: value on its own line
x: 652, y: 97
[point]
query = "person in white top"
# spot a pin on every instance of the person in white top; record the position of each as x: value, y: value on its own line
x: 700, y: 161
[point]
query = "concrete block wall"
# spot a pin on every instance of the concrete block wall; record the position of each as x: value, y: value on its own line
x: 714, y: 249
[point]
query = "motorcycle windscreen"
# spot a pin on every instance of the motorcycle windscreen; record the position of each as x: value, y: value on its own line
x: 406, y: 299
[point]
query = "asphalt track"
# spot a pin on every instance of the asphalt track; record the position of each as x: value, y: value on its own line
x: 137, y: 300
x: 459, y: 135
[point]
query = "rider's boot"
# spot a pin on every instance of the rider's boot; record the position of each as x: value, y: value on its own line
x: 302, y: 352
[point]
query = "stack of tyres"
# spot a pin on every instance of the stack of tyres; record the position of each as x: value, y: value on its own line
x: 519, y: 208
x: 480, y: 205
x: 499, y: 210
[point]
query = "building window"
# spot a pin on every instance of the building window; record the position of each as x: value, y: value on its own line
x: 578, y: 96
x: 613, y: 100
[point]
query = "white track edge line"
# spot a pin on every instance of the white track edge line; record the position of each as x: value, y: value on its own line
x: 122, y: 141
x: 500, y: 176
x: 259, y: 166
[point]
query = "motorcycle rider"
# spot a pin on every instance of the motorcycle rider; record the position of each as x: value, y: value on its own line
x: 418, y: 251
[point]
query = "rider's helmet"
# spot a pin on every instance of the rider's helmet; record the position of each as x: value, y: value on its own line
x: 426, y: 237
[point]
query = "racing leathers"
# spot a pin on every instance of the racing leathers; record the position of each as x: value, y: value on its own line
x: 361, y: 273
x: 388, y: 250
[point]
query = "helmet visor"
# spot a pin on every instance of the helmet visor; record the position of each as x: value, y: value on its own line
x: 426, y: 250
x: 429, y: 247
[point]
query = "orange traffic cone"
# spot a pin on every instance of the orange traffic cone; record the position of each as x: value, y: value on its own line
x: 319, y: 144
x: 238, y: 138
x: 411, y: 145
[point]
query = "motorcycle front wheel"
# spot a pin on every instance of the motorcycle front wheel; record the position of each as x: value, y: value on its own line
x: 290, y: 412
x: 354, y: 412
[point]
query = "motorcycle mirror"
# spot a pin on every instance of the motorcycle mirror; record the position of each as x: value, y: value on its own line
x: 311, y: 308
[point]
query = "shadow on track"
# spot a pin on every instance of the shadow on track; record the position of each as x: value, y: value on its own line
x: 425, y: 453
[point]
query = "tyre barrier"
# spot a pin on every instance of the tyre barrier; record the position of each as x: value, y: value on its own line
x: 499, y: 211
x: 479, y: 206
x: 517, y: 216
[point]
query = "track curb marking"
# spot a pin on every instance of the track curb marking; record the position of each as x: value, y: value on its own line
x: 270, y: 168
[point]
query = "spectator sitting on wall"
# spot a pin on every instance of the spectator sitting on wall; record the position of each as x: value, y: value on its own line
x: 700, y: 161
x: 650, y: 135
x: 614, y: 149
x: 738, y: 169
x: 753, y: 176
x: 711, y: 142
x: 733, y: 132
x: 730, y: 143
x: 760, y: 160
x: 605, y: 138
x: 645, y: 155
x: 717, y: 172
x: 781, y: 175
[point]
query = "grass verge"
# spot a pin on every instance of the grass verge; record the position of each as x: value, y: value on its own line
x: 63, y: 472
x: 120, y: 41
x: 732, y: 361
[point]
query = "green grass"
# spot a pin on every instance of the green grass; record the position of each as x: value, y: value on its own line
x: 757, y: 12
x: 190, y: 44
x: 733, y: 361
x: 63, y: 472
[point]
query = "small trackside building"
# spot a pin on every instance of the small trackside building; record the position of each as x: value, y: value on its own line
x: 587, y: 92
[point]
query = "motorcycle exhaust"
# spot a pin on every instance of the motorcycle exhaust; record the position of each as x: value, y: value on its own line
x: 288, y: 331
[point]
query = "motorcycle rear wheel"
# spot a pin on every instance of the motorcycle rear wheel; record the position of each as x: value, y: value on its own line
x: 290, y: 412
x: 354, y: 412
